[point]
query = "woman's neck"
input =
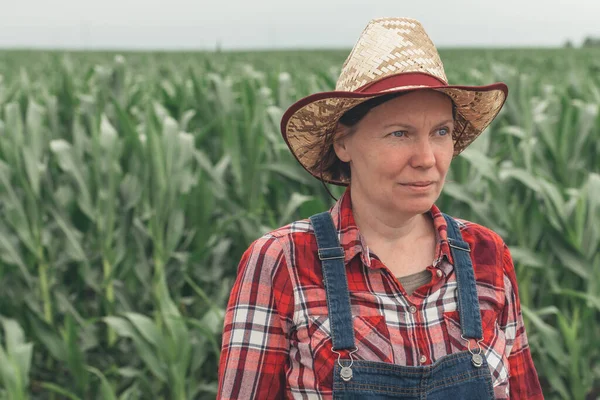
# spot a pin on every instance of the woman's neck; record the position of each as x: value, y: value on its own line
x: 386, y: 227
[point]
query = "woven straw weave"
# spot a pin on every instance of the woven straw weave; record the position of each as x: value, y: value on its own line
x: 386, y: 47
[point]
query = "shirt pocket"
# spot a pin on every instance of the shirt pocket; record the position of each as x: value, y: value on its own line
x: 371, y: 337
x: 493, y: 345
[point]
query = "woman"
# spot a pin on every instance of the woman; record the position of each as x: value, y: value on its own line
x: 383, y: 296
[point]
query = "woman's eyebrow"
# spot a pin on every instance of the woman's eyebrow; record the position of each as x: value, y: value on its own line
x: 447, y: 121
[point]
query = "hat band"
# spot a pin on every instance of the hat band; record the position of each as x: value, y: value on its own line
x: 399, y: 80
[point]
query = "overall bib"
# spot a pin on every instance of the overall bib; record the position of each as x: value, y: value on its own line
x: 458, y: 376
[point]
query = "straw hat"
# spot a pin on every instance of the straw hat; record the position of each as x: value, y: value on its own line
x: 391, y: 55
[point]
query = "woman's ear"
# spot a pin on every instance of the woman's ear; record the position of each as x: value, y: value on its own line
x: 340, y: 143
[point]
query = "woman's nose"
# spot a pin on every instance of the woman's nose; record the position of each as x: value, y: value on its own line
x: 423, y: 155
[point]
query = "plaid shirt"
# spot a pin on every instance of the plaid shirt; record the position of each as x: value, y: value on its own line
x: 276, y: 338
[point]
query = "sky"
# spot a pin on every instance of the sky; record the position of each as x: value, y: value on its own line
x: 277, y: 24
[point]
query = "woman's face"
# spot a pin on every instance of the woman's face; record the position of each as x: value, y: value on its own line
x: 399, y: 153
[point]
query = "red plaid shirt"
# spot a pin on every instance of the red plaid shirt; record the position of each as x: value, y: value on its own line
x: 276, y: 339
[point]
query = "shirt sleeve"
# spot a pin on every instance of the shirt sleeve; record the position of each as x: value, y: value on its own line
x: 523, y: 382
x: 254, y: 352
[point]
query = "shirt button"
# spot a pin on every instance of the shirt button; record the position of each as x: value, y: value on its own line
x: 412, y: 309
x: 439, y: 273
x: 423, y: 359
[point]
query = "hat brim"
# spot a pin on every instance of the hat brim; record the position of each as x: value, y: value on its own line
x: 310, y: 119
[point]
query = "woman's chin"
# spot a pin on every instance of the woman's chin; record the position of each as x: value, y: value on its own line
x: 414, y: 207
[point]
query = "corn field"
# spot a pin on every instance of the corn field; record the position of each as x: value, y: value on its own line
x: 131, y: 184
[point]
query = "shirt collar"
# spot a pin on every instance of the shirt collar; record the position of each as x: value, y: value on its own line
x: 350, y: 238
x: 442, y: 247
x: 354, y: 243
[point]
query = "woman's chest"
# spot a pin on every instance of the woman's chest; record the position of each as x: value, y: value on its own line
x: 390, y: 328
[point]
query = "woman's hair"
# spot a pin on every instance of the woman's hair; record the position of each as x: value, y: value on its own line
x: 328, y: 162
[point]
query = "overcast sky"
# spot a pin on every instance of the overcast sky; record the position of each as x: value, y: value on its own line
x: 266, y: 24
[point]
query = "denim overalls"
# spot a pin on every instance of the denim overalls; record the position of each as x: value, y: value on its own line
x: 458, y: 376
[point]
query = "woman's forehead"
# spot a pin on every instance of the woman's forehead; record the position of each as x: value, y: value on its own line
x: 421, y: 99
x: 413, y: 108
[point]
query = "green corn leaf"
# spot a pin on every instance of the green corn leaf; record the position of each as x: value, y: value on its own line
x: 50, y: 339
x: 54, y: 388
x: 522, y: 176
x: 526, y: 257
x: 175, y: 230
x: 14, y: 335
x: 74, y: 246
x: 10, y: 254
x: 550, y: 335
x: 145, y: 351
x: 106, y: 390
x: 71, y: 164
x: 15, y: 360
x: 292, y: 206
x: 480, y: 163
x: 147, y: 329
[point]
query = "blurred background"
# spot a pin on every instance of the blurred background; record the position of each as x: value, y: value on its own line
x: 140, y: 155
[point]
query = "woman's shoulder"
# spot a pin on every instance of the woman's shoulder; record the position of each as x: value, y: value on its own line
x: 293, y: 229
x: 492, y: 262
x: 475, y: 232
x: 485, y: 243
x: 285, y: 237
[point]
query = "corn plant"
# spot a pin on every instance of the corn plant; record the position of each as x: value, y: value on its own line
x: 15, y: 362
x: 131, y: 184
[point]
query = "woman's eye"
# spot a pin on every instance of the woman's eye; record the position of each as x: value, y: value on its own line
x: 398, y: 133
x: 443, y: 131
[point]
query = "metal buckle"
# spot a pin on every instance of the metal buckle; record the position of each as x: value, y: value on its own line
x: 330, y: 258
x: 459, y: 248
x: 346, y: 371
x: 476, y: 358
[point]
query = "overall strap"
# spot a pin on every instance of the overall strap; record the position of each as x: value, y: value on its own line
x: 331, y: 255
x: 468, y: 302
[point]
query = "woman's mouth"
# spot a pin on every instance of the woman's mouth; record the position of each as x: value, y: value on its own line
x: 419, y: 186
